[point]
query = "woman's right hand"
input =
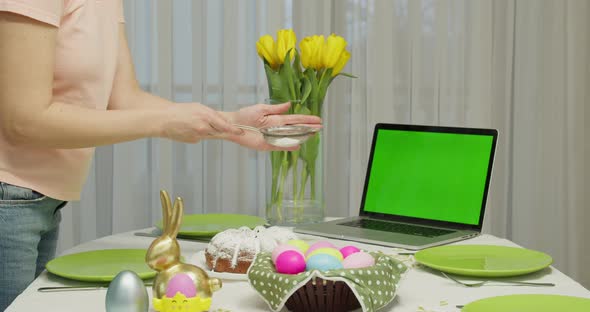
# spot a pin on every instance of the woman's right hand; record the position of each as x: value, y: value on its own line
x: 192, y: 122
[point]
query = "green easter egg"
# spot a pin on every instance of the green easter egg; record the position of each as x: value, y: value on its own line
x: 301, y: 245
x: 328, y: 251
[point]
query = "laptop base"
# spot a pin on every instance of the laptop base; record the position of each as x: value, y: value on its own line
x: 336, y: 229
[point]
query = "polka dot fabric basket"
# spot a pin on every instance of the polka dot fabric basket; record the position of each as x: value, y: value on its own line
x: 369, y: 288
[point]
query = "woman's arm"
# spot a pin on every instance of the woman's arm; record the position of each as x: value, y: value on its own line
x: 127, y: 95
x: 30, y: 116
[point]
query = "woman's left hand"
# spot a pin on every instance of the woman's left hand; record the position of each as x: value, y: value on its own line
x: 264, y: 115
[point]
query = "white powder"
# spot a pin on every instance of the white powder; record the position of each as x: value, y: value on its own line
x: 285, y: 142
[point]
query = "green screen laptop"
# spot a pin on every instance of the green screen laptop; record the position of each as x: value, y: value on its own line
x: 425, y: 186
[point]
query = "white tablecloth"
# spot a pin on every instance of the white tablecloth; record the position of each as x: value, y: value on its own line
x: 421, y: 289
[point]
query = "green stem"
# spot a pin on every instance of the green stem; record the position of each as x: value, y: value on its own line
x: 324, y: 82
x: 304, y: 176
x: 312, y: 178
x: 294, y: 160
x: 284, y: 170
x: 275, y: 163
x: 290, y: 81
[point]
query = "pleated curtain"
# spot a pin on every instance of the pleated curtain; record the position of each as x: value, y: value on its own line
x: 521, y: 67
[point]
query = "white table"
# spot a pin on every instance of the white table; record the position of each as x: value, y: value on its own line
x: 421, y: 290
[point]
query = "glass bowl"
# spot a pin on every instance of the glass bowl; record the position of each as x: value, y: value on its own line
x: 287, y: 136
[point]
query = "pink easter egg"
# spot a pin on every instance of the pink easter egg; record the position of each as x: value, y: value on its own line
x: 181, y: 283
x: 320, y: 244
x: 290, y: 262
x: 358, y: 260
x: 348, y: 250
x: 282, y: 248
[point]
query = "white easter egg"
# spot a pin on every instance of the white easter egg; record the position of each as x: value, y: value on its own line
x: 358, y: 260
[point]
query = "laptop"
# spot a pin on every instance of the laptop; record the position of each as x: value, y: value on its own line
x: 425, y: 186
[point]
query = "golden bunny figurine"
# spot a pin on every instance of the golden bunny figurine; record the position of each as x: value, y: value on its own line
x: 164, y: 257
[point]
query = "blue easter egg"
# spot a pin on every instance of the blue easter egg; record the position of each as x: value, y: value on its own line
x: 322, y: 262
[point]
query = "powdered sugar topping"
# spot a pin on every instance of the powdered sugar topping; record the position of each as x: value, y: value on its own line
x: 244, y: 243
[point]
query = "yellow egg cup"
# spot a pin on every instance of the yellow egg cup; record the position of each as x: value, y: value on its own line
x: 181, y: 303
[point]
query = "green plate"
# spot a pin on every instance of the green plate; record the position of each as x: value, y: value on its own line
x: 529, y: 303
x: 211, y: 224
x: 483, y: 260
x: 101, y: 265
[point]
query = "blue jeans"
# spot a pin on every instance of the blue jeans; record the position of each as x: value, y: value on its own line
x: 29, y: 226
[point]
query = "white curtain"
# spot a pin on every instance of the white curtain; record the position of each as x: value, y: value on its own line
x: 522, y: 67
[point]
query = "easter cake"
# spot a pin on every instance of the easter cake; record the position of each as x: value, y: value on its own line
x: 233, y: 250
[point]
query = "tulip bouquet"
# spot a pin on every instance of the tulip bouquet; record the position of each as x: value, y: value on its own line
x: 302, y: 78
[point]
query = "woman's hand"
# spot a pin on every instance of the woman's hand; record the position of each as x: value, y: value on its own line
x: 193, y: 122
x: 262, y: 116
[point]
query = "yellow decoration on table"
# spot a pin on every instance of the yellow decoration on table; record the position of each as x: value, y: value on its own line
x: 181, y: 303
x: 163, y: 256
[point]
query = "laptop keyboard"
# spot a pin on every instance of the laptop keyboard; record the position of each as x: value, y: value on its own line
x: 397, y: 227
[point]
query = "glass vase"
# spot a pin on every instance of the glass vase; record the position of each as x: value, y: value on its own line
x: 295, y: 192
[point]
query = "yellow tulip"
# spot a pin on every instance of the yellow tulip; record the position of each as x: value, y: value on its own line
x: 344, y: 57
x: 320, y: 44
x: 332, y: 50
x: 306, y: 52
x: 311, y: 51
x: 266, y: 48
x: 286, y: 40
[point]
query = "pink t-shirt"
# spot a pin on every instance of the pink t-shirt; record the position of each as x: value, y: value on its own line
x: 85, y: 65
